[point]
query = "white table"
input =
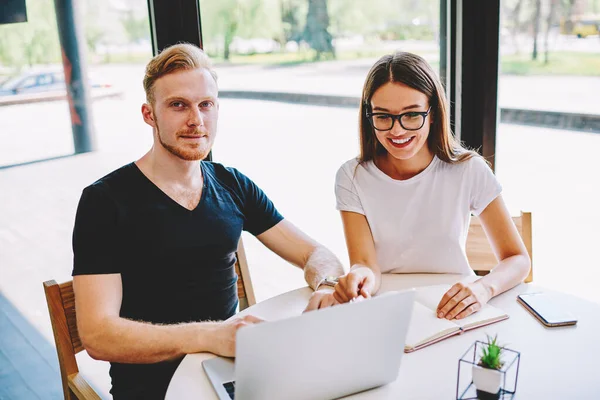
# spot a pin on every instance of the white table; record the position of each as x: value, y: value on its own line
x: 555, y: 362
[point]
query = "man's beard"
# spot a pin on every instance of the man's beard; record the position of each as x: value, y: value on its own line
x: 183, y: 153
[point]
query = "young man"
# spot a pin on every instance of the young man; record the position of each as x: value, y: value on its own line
x: 154, y: 241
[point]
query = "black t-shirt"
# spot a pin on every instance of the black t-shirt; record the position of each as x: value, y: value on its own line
x: 176, y: 265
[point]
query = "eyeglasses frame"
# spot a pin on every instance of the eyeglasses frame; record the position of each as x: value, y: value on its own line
x: 398, y: 118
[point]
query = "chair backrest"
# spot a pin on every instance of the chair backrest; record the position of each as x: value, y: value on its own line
x: 244, y: 283
x: 479, y: 252
x: 61, y: 305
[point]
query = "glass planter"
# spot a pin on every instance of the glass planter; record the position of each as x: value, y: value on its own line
x: 503, y: 380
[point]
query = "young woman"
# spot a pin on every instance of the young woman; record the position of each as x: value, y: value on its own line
x: 406, y: 201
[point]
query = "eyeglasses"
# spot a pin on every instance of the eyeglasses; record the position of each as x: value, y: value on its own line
x: 410, y: 121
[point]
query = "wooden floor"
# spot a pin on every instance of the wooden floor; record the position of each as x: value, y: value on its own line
x: 28, y: 364
x: 35, y: 246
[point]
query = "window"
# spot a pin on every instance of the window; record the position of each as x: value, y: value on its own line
x: 314, y: 52
x: 44, y: 80
x: 27, y: 82
x: 27, y: 49
x: 117, y: 36
x: 548, y: 135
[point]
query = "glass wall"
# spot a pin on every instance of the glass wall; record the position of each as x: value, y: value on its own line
x: 117, y: 34
x: 30, y: 69
x: 550, y: 70
x: 298, y: 45
x: 291, y: 48
x: 34, y: 115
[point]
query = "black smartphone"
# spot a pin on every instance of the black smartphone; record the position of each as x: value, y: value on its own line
x: 547, y: 308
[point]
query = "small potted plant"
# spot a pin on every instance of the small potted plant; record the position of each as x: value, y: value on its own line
x: 487, y: 377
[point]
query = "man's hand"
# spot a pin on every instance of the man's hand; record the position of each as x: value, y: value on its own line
x: 463, y: 299
x: 320, y: 299
x: 222, y: 340
x: 360, y: 281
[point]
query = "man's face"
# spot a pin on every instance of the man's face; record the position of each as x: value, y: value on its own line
x: 185, y: 113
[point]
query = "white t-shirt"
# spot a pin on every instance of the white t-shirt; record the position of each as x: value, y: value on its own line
x: 419, y: 224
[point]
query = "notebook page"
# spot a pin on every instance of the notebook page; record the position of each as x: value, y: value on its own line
x: 430, y: 296
x: 425, y: 326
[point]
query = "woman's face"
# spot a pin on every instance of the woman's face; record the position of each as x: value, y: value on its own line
x: 397, y: 98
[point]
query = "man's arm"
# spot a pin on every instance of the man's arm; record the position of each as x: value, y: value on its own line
x: 107, y: 336
x: 294, y: 246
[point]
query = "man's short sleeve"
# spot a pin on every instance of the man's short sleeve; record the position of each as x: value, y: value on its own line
x: 259, y: 211
x: 346, y: 195
x: 484, y: 185
x: 95, y: 235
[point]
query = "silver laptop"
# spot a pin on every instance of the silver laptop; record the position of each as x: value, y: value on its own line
x: 322, y: 354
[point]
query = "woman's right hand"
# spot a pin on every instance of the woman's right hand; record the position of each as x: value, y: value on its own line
x: 360, y: 281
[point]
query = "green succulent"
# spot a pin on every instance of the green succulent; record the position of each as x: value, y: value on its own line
x: 491, y: 356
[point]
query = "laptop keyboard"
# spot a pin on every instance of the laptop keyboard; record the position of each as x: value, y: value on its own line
x: 230, y: 388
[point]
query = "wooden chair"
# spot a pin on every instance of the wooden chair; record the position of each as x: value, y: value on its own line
x: 479, y: 252
x: 244, y: 283
x: 61, y: 305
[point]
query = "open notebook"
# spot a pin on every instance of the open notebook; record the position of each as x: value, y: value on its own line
x: 426, y: 328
